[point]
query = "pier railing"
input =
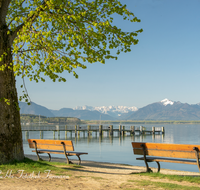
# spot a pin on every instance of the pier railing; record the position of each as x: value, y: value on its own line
x: 89, y: 129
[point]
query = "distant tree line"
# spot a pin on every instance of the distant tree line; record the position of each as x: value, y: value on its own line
x: 30, y: 118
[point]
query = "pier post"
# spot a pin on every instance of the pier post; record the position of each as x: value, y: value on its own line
x: 96, y: 129
x: 75, y: 130
x: 75, y: 140
x: 141, y: 138
x: 65, y: 134
x: 41, y: 134
x: 27, y: 135
x: 53, y: 134
x: 58, y: 134
x: 100, y: 130
x: 123, y: 130
x: 141, y: 129
x: 163, y: 137
x: 111, y: 130
x: 65, y: 131
x: 132, y: 128
x: 88, y: 129
x: 88, y: 139
x: 58, y: 130
x: 57, y: 127
x: 153, y: 130
x: 163, y: 130
x: 120, y: 130
x: 111, y: 139
x: 153, y: 137
x: 78, y: 131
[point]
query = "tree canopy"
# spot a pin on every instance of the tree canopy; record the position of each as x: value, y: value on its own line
x: 50, y: 36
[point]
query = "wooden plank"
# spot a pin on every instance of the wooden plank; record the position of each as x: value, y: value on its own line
x: 50, y: 144
x: 164, y: 146
x: 52, y: 147
x: 61, y: 152
x: 47, y: 141
x: 162, y: 153
x: 153, y: 159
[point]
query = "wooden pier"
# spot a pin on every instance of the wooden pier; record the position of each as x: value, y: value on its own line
x: 100, y: 130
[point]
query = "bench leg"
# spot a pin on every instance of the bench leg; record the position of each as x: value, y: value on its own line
x: 38, y: 156
x: 49, y: 157
x: 37, y: 151
x: 67, y: 158
x: 158, y: 166
x: 39, y: 159
x: 147, y: 166
x: 197, y: 156
x: 149, y: 169
x: 145, y: 160
x: 68, y: 162
x: 79, y: 163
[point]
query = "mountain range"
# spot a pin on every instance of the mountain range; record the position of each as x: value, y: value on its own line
x: 162, y: 110
x: 167, y: 110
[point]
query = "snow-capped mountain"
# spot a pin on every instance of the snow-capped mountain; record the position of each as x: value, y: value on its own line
x: 167, y: 110
x: 167, y: 102
x: 110, y: 110
x: 91, y: 108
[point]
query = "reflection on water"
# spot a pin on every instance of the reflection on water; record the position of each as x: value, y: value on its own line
x: 118, y: 149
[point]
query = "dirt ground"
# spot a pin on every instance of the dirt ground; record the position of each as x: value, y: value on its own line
x: 93, y: 175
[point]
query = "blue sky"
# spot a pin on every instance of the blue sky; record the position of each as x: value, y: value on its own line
x: 164, y: 64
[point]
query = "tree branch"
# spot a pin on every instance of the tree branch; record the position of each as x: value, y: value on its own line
x: 29, y: 19
x: 14, y: 34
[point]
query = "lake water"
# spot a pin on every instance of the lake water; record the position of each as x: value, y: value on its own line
x: 119, y: 149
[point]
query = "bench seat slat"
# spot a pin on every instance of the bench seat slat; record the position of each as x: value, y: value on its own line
x: 164, y: 146
x: 52, y: 142
x: 52, y: 147
x: 167, y: 153
x: 59, y: 152
x: 158, y: 159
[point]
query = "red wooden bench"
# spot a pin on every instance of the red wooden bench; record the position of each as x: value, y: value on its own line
x: 160, y: 152
x: 54, y: 147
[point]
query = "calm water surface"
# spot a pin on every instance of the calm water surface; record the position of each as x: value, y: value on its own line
x: 119, y: 150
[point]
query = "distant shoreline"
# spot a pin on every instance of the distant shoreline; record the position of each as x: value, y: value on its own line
x: 27, y: 119
x: 138, y: 122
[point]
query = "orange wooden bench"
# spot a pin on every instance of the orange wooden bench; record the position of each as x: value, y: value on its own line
x: 160, y: 152
x: 54, y: 147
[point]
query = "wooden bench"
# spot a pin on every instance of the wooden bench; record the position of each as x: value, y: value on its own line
x: 54, y: 147
x: 160, y: 152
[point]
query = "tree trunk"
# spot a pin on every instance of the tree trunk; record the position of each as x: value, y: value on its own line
x: 11, y: 146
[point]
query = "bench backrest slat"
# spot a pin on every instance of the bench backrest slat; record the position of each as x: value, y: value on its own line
x: 51, y: 144
x: 166, y: 150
